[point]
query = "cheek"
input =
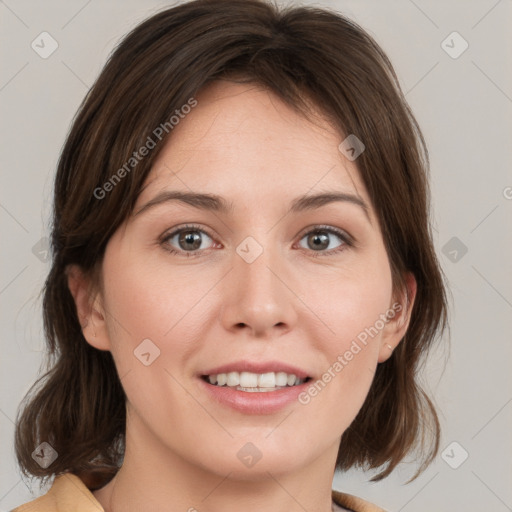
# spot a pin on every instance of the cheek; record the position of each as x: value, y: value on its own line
x: 353, y: 307
x: 147, y: 323
x: 354, y: 303
x: 146, y: 299
x: 154, y: 316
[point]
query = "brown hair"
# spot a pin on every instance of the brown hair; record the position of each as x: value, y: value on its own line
x: 78, y: 405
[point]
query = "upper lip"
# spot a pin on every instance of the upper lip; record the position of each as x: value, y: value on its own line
x: 257, y: 367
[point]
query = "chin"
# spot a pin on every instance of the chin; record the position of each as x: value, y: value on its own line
x: 248, y: 461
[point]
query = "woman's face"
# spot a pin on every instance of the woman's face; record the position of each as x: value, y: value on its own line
x: 275, y: 283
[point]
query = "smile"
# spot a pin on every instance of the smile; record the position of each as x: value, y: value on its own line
x: 255, y: 382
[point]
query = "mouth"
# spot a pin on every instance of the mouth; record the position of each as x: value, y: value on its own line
x: 255, y: 387
x: 250, y: 382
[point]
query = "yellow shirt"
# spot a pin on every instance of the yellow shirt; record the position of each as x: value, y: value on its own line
x: 69, y: 494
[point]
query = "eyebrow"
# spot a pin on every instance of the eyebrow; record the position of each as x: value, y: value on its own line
x: 215, y: 203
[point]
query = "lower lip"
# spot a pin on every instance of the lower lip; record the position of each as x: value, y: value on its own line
x: 266, y: 402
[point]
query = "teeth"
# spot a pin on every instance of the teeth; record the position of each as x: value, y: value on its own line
x: 233, y: 379
x: 281, y: 379
x: 248, y: 380
x: 255, y: 381
x: 266, y: 380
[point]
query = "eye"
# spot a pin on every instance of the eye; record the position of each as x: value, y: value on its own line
x: 320, y: 238
x: 192, y: 240
x: 187, y: 240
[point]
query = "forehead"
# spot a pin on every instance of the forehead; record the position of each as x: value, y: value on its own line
x: 243, y: 139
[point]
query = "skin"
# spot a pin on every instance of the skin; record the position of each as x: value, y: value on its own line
x: 243, y: 143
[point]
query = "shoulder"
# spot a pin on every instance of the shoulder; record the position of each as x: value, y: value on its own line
x: 67, y: 494
x: 354, y: 503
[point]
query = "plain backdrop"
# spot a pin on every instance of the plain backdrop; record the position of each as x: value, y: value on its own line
x: 462, y: 98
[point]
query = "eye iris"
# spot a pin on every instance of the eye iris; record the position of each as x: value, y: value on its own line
x: 191, y: 240
x: 319, y: 240
x: 190, y: 237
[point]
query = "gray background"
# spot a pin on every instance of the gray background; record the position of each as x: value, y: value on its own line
x: 464, y: 107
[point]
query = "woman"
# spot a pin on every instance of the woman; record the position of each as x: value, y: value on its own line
x: 243, y: 281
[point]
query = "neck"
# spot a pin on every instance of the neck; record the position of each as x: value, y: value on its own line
x: 154, y: 477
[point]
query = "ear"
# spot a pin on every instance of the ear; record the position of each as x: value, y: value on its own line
x: 399, y: 316
x: 89, y: 308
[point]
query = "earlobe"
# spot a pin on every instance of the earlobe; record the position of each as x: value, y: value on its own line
x: 399, y: 317
x: 88, y: 307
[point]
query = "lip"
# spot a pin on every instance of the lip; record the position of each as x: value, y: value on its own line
x: 265, y: 402
x: 257, y: 367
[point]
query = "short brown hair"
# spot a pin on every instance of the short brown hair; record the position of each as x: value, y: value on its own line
x: 299, y: 53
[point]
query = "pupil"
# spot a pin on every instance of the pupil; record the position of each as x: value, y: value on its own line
x: 320, y: 240
x: 190, y: 237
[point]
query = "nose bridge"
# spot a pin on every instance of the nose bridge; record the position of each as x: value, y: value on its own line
x: 258, y: 297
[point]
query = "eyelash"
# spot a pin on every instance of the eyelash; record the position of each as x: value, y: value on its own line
x: 345, y: 238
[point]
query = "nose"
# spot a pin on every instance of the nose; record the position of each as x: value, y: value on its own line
x: 259, y: 297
